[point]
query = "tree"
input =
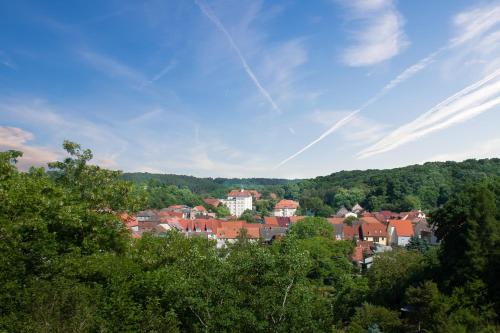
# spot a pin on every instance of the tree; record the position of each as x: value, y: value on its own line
x: 312, y: 227
x: 469, y: 230
x: 417, y: 244
x: 369, y: 316
x: 391, y: 273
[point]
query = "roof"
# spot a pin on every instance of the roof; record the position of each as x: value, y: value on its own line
x: 349, y: 232
x: 356, y: 208
x: 232, y: 229
x: 341, y: 212
x: 361, y: 248
x: 373, y: 230
x: 212, y: 202
x: 200, y: 208
x: 269, y: 233
x: 128, y: 220
x: 277, y: 221
x: 284, y: 204
x: 294, y: 219
x: 255, y: 194
x: 239, y: 193
x: 335, y: 220
x: 339, y: 229
x: 369, y: 219
x: 404, y: 228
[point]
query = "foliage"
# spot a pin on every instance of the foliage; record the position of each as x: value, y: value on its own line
x: 370, y: 316
x: 312, y: 227
x: 68, y: 264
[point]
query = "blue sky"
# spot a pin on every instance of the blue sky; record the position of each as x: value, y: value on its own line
x: 251, y: 88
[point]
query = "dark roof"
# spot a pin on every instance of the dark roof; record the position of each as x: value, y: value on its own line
x: 268, y: 233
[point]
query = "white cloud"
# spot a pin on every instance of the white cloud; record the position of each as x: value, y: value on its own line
x: 470, y: 102
x: 474, y: 22
x: 14, y: 138
x: 382, y: 36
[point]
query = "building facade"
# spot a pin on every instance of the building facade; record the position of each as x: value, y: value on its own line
x: 238, y: 201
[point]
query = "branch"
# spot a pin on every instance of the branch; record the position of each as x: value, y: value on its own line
x: 284, y: 299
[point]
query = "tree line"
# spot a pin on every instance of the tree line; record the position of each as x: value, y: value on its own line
x: 67, y: 264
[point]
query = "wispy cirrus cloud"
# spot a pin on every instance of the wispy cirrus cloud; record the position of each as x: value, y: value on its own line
x: 113, y: 68
x: 470, y: 102
x: 380, y: 36
x: 472, y: 24
x: 209, y: 13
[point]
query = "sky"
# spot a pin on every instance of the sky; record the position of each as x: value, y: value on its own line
x: 250, y: 88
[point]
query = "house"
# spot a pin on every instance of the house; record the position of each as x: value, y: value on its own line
x: 255, y: 194
x: 357, y: 209
x: 145, y: 215
x: 229, y: 232
x: 412, y: 215
x: 295, y: 219
x: 350, y: 232
x: 339, y: 231
x: 199, y: 210
x: 369, y: 219
x: 341, y: 212
x: 130, y: 222
x: 422, y: 229
x: 362, y: 254
x: 374, y: 232
x: 238, y: 201
x: 400, y: 232
x: 286, y: 208
x: 335, y: 220
x: 277, y: 221
x: 269, y: 233
x: 212, y: 202
x: 386, y: 215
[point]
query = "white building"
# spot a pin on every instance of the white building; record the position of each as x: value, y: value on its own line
x: 286, y: 208
x: 238, y: 201
x: 400, y: 232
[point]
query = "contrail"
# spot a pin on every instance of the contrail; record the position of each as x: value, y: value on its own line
x: 474, y: 25
x: 467, y: 103
x: 215, y: 20
x: 332, y: 129
x: 403, y: 76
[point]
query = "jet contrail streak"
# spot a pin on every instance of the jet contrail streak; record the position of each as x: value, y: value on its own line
x: 215, y: 20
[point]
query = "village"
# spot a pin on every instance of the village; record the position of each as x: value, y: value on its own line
x: 372, y: 232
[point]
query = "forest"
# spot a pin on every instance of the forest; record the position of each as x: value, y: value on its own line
x: 424, y: 187
x: 69, y: 265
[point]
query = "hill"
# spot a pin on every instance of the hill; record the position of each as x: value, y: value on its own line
x: 425, y: 186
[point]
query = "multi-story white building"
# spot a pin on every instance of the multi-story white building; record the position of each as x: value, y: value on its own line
x: 238, y: 201
x: 286, y: 208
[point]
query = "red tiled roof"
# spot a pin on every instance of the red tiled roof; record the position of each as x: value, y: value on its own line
x: 403, y: 228
x: 335, y: 220
x: 200, y: 208
x: 349, y: 232
x: 128, y: 220
x: 232, y: 229
x: 271, y: 220
x: 374, y: 230
x: 239, y: 193
x: 290, y: 204
x: 369, y: 219
x: 361, y: 248
x: 212, y: 202
x: 255, y: 194
x: 294, y: 219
